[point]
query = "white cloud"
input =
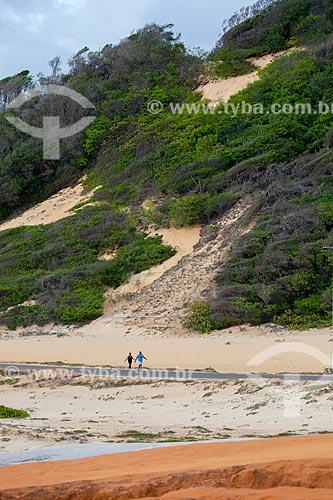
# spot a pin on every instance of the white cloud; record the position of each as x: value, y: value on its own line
x: 8, y: 15
x: 32, y: 22
x: 32, y: 32
x: 35, y: 23
x: 70, y: 6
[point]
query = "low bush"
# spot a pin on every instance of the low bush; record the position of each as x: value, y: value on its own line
x: 227, y: 63
x: 199, y: 318
x: 58, y: 267
x: 6, y: 412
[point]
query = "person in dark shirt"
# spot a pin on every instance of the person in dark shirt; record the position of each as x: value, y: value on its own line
x: 129, y: 360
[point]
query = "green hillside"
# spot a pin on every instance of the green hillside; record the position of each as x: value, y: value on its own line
x: 196, y: 167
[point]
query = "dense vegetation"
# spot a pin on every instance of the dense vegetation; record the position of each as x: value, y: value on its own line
x: 196, y: 167
x: 57, y: 266
x: 273, y: 25
x: 269, y: 26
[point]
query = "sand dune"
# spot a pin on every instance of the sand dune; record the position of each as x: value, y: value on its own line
x: 221, y: 89
x: 55, y: 208
x: 183, y: 239
x: 293, y: 468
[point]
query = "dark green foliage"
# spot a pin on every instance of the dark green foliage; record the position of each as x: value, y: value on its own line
x: 279, y: 25
x: 281, y: 271
x: 58, y: 266
x: 6, y: 412
x: 227, y: 63
x: 136, y: 257
x: 196, y: 165
x: 187, y: 210
x: 24, y: 316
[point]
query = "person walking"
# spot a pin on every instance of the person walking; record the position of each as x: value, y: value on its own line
x: 140, y: 357
x: 129, y: 360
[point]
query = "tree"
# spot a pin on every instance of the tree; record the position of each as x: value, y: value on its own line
x: 55, y: 67
x: 13, y: 86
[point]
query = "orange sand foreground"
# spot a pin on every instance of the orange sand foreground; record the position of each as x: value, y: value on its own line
x: 295, y: 468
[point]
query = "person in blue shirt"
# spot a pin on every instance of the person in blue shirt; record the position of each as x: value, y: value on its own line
x: 140, y: 357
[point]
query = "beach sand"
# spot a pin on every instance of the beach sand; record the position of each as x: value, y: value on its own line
x: 83, y: 410
x: 106, y: 342
x: 293, y: 468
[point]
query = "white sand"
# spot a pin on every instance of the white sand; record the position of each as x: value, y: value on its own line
x: 221, y: 89
x: 181, y: 239
x: 55, y: 208
x: 63, y: 413
x: 106, y: 342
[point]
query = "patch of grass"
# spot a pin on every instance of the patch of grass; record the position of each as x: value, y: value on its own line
x: 6, y: 412
x: 114, y: 384
x: 199, y: 428
x: 281, y: 434
x: 9, y: 381
x: 132, y: 436
x: 222, y: 436
x: 208, y: 394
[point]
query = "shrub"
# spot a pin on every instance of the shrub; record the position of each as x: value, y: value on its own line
x: 188, y: 210
x: 228, y: 63
x: 199, y: 318
x: 24, y: 316
x: 217, y: 205
x: 6, y: 412
x: 81, y: 305
x: 296, y: 321
x: 141, y: 255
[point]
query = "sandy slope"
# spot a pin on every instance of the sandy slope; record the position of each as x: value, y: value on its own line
x: 221, y: 89
x: 293, y: 468
x: 149, y: 317
x: 55, y: 208
x: 182, y: 239
x: 162, y: 305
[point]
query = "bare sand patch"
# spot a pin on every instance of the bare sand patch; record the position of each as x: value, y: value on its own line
x: 57, y: 207
x: 182, y: 239
x: 221, y: 89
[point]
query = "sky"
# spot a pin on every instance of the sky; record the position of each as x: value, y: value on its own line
x: 32, y: 32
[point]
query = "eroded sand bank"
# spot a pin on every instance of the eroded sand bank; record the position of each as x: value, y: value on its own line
x: 293, y: 468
